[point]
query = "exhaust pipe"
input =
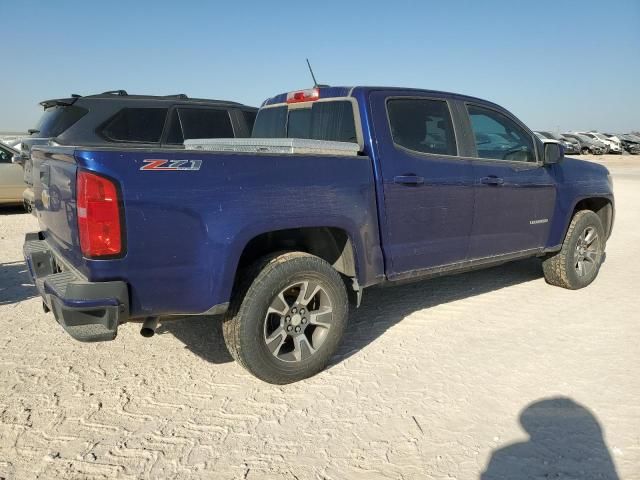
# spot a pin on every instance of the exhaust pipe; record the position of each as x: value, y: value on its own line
x: 149, y: 327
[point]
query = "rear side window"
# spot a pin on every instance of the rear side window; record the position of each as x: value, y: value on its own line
x: 190, y: 123
x: 498, y: 137
x: 205, y: 123
x: 320, y: 121
x: 422, y: 125
x: 55, y: 120
x: 136, y: 125
x: 249, y: 118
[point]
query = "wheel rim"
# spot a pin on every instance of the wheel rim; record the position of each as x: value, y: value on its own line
x: 298, y: 321
x: 587, y: 253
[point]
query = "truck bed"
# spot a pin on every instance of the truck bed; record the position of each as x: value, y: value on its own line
x: 189, y: 214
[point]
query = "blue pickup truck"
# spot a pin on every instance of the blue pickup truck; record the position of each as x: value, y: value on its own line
x: 282, y: 243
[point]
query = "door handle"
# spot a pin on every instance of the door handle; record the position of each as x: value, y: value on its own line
x: 492, y: 180
x: 408, y: 180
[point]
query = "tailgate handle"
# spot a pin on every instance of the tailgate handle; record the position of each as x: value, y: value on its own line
x: 408, y: 180
x: 492, y: 180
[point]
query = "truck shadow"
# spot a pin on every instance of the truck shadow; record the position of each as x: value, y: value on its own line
x: 565, y: 441
x: 381, y: 309
x: 201, y: 335
x: 15, y: 284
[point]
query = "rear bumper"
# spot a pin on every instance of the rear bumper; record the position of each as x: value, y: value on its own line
x: 88, y: 311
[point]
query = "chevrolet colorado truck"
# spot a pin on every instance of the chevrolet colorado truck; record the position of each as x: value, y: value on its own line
x: 338, y: 189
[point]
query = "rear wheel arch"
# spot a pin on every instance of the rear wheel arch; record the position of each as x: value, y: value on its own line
x: 332, y: 244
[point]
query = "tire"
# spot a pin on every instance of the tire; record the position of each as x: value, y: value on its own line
x: 563, y: 268
x: 277, y: 326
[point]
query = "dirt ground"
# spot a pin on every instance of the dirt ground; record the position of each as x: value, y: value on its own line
x: 492, y: 371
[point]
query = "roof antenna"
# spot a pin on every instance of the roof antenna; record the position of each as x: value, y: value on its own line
x: 315, y: 83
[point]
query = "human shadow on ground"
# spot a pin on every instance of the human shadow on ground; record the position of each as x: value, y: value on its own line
x: 382, y: 307
x: 565, y: 442
x: 15, y: 283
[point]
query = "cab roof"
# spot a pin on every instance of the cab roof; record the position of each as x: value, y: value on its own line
x: 334, y: 92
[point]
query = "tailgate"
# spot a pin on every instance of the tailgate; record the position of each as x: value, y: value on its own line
x: 54, y: 186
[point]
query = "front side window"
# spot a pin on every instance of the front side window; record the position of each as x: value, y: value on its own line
x: 422, y: 125
x: 136, y: 125
x: 497, y: 137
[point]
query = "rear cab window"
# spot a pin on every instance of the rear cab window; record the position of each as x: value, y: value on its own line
x: 331, y: 120
x: 142, y: 125
x: 422, y: 125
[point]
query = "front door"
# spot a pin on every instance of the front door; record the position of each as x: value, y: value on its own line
x: 514, y: 193
x: 427, y: 187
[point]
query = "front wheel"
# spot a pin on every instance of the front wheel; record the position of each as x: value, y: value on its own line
x: 578, y: 262
x: 287, y: 318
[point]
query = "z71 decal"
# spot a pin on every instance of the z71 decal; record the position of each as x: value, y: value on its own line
x: 172, y: 165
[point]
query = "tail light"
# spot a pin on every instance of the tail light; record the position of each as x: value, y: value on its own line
x: 308, y: 95
x: 98, y: 216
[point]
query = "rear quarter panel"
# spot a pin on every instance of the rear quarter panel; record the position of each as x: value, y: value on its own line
x: 185, y: 230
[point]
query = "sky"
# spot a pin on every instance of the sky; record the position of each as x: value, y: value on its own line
x: 557, y: 64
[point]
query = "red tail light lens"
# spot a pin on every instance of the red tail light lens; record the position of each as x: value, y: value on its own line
x: 308, y: 95
x: 98, y: 216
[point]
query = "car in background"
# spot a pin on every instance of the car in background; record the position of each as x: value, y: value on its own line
x: 14, y: 143
x: 587, y: 145
x: 140, y: 121
x: 631, y: 143
x: 11, y: 184
x: 612, y: 146
x: 613, y: 137
x: 571, y: 146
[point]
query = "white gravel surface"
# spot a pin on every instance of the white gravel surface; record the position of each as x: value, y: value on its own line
x: 492, y: 371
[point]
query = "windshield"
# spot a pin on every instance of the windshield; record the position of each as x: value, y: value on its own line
x: 332, y: 120
x: 56, y: 120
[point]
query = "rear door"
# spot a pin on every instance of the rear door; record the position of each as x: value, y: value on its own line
x: 514, y: 192
x: 427, y: 187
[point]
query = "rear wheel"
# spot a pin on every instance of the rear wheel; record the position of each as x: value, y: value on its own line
x: 577, y: 264
x: 287, y: 318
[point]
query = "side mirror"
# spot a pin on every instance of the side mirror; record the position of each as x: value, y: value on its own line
x: 17, y: 158
x: 553, y: 153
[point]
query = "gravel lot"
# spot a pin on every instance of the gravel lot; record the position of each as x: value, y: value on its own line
x: 488, y: 371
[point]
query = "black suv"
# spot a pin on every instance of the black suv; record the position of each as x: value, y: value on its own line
x: 115, y: 117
